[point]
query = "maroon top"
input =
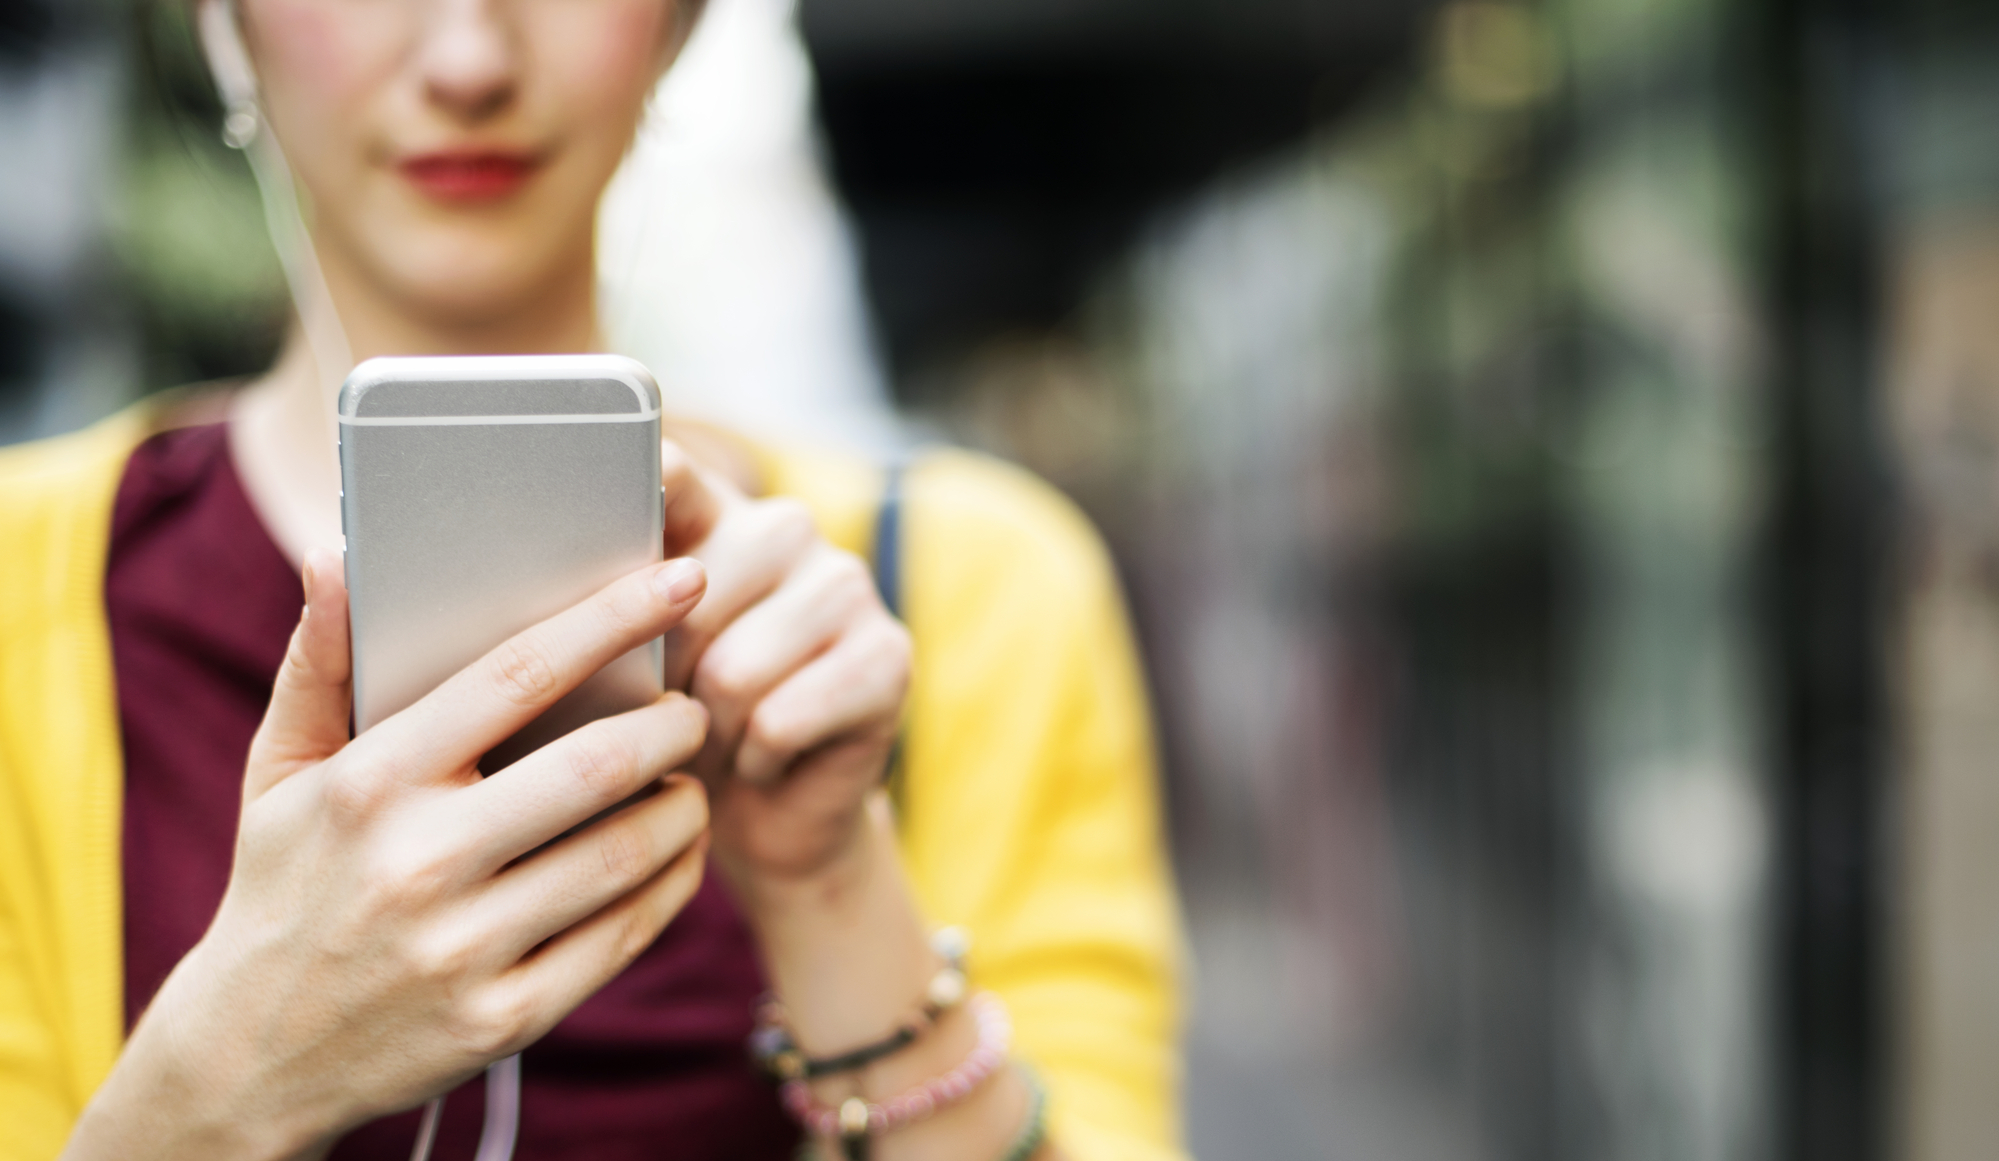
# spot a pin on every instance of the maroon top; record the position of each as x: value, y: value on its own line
x: 201, y: 607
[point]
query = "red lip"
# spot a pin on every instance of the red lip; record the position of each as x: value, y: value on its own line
x: 469, y: 177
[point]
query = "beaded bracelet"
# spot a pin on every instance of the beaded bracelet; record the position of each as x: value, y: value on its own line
x: 854, y: 1120
x: 1034, y: 1131
x: 779, y: 1055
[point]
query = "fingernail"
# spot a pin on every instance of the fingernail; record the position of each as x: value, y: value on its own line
x: 305, y: 578
x: 680, y: 582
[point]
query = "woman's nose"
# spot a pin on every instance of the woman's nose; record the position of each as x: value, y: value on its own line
x: 469, y: 58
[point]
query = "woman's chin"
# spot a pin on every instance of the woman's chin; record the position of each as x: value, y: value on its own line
x: 468, y: 292
x: 461, y: 265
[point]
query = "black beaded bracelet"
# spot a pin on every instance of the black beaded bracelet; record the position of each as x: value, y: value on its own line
x: 779, y: 1055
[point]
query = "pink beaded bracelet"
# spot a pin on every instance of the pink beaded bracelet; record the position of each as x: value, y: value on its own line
x: 854, y: 1118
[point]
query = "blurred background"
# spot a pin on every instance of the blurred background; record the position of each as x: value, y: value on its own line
x: 1552, y: 452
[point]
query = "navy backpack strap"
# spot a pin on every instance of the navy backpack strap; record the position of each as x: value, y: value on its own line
x: 888, y: 580
x: 888, y: 539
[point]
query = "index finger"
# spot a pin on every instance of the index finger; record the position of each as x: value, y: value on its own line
x: 489, y: 700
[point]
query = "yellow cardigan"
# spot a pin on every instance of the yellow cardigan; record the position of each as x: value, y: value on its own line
x: 1029, y: 814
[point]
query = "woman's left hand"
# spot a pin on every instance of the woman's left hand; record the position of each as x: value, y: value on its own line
x: 802, y: 670
x: 804, y: 674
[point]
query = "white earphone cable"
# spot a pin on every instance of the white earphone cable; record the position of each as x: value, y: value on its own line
x: 314, y: 302
x: 503, y: 1115
x: 503, y: 1110
x: 245, y: 129
x: 426, y: 1129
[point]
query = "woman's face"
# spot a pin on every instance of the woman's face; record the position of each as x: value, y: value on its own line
x: 454, y: 150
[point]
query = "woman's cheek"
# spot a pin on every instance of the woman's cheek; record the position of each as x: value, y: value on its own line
x: 606, y: 61
x: 320, y: 55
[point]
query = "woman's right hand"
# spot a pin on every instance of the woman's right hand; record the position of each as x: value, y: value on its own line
x: 391, y: 925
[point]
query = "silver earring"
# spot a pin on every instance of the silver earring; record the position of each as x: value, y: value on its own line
x: 239, y: 126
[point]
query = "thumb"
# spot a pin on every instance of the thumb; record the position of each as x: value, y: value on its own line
x: 312, y: 700
x: 693, y: 499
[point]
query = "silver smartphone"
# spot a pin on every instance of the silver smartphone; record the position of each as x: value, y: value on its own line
x: 480, y: 495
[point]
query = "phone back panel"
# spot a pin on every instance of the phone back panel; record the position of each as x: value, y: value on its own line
x: 481, y: 495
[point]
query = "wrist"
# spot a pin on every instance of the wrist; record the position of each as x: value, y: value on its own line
x: 170, y: 1097
x: 836, y: 885
x: 152, y: 1110
x: 846, y: 950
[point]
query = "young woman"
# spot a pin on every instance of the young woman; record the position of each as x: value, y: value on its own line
x: 227, y: 930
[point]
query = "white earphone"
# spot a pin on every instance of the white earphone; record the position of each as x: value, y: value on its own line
x: 229, y: 64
